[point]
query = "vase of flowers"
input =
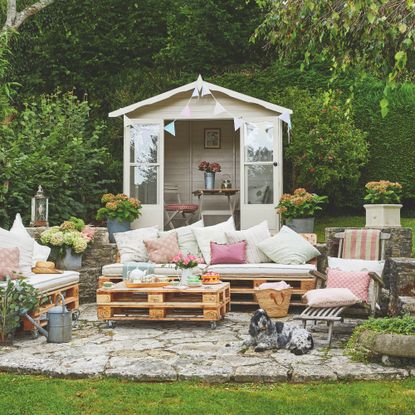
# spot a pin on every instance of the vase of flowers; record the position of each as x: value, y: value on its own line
x: 187, y: 264
x: 383, y: 206
x: 298, y: 209
x: 68, y: 242
x: 119, y: 211
x: 210, y: 170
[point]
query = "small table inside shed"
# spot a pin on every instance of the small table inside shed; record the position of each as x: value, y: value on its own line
x: 229, y: 193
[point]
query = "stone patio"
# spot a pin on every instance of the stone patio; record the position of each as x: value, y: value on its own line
x: 152, y: 351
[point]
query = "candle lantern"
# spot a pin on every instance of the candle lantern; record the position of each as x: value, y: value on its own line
x: 40, y: 209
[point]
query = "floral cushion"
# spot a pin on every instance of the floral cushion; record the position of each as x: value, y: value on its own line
x: 162, y: 250
x: 9, y: 262
x: 356, y: 281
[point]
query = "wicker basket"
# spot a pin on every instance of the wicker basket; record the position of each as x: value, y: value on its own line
x: 274, y: 302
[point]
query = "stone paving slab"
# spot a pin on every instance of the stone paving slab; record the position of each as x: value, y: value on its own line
x: 169, y: 351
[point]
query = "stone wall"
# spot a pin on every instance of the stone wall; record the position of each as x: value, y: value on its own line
x: 99, y: 253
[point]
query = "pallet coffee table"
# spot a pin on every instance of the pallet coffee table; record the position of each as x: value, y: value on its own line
x: 206, y: 303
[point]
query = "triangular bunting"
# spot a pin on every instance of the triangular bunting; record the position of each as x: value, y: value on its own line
x: 218, y: 109
x: 205, y: 90
x: 285, y: 116
x: 170, y: 128
x: 195, y: 93
x: 186, y: 111
x: 237, y: 123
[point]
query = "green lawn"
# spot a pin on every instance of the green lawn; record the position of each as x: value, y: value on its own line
x: 333, y: 221
x: 34, y: 395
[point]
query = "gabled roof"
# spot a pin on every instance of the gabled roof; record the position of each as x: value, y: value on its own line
x: 190, y: 87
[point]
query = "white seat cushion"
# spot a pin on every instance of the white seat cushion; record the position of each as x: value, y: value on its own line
x: 116, y: 270
x: 263, y: 268
x: 47, y: 282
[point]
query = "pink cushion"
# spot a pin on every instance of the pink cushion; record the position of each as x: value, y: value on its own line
x: 9, y: 262
x: 162, y: 250
x: 356, y: 281
x: 330, y: 297
x: 228, y: 253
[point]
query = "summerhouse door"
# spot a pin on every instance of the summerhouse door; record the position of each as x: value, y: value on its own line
x: 261, y: 172
x: 143, y: 169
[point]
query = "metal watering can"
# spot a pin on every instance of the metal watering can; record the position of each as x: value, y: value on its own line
x: 59, y: 328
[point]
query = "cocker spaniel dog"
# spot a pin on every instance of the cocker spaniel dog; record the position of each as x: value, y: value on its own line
x: 266, y: 335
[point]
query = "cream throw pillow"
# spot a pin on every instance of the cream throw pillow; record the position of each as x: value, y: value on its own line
x: 40, y: 252
x: 11, y: 240
x: 186, y: 238
x: 252, y: 236
x: 131, y: 246
x: 288, y: 247
x: 330, y: 297
x: 215, y: 233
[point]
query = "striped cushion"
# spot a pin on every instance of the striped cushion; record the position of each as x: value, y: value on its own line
x: 361, y: 244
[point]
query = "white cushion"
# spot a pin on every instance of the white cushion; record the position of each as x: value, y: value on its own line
x: 263, y: 269
x: 40, y: 252
x: 25, y: 245
x: 47, y: 282
x: 215, y: 233
x: 356, y: 265
x: 252, y: 236
x: 288, y: 247
x: 186, y: 238
x: 131, y: 246
x: 116, y: 270
x: 330, y: 297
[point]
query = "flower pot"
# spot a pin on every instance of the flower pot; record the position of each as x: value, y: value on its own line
x: 185, y: 274
x: 383, y: 215
x: 70, y: 261
x: 209, y: 180
x: 301, y: 225
x: 114, y: 226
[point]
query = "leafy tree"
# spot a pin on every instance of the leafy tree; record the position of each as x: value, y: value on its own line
x: 376, y: 36
x: 52, y: 143
x: 327, y: 151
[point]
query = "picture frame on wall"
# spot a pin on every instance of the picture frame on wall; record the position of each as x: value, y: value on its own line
x: 212, y: 138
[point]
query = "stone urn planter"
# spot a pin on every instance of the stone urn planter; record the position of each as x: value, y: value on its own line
x: 70, y: 261
x: 387, y: 344
x: 301, y: 225
x: 381, y: 215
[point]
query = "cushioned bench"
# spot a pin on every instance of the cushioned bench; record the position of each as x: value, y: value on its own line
x: 50, y: 286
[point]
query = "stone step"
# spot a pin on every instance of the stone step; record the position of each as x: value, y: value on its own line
x: 408, y: 305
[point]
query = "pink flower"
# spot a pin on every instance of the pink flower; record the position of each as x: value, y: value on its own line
x: 186, y: 261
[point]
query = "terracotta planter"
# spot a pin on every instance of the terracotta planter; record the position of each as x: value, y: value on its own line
x: 301, y: 225
x: 385, y: 344
x: 381, y: 215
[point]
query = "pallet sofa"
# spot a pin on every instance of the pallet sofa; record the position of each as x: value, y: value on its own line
x: 50, y: 287
x: 243, y: 278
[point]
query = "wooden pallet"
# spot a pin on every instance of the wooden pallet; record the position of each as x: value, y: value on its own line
x: 166, y: 304
x: 69, y: 292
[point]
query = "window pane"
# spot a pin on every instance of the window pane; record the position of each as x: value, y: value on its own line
x: 143, y: 184
x: 259, y: 142
x: 259, y: 184
x: 144, y: 143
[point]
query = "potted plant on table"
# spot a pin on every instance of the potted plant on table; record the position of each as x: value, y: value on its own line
x: 298, y: 209
x: 383, y: 206
x: 210, y: 170
x: 68, y: 242
x: 187, y: 264
x: 119, y: 211
x: 16, y: 298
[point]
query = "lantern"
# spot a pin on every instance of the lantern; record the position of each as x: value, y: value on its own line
x: 40, y: 209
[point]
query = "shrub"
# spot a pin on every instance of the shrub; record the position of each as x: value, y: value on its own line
x: 53, y: 143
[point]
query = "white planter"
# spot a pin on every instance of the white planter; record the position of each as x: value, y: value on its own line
x: 383, y: 215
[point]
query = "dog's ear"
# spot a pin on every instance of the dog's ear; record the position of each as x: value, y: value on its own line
x: 279, y: 326
x: 253, y: 331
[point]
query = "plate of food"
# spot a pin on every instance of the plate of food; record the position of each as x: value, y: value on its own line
x: 211, y: 278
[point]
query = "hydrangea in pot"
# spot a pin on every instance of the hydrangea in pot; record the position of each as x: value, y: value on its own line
x: 68, y: 242
x: 210, y: 170
x: 298, y: 209
x: 17, y: 297
x: 119, y: 211
x: 383, y: 206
